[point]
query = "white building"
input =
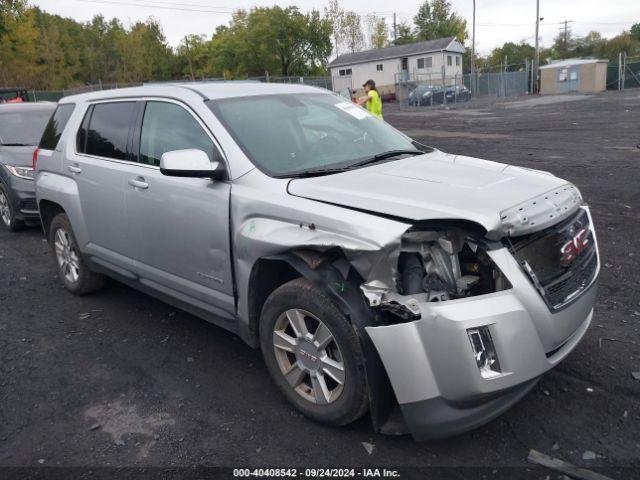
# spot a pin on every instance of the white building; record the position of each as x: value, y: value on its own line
x: 433, y: 61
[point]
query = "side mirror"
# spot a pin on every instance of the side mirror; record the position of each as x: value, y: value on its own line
x: 189, y: 163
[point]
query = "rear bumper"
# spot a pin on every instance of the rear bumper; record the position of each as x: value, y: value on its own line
x: 431, y: 364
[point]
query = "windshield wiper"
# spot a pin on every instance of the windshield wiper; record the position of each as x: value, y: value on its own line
x: 366, y: 161
x: 314, y: 173
x: 384, y: 156
x: 18, y: 144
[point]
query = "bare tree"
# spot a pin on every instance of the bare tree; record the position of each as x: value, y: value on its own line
x: 353, y: 37
x: 334, y: 13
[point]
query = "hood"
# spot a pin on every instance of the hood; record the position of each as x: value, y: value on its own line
x: 504, y: 199
x: 17, y: 156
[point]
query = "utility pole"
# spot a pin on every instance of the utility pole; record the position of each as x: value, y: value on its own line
x: 537, y: 55
x: 473, y: 51
x: 395, y: 29
x: 565, y: 35
x: 186, y: 42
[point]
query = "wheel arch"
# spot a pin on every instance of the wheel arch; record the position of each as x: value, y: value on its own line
x: 48, y: 211
x: 331, y: 272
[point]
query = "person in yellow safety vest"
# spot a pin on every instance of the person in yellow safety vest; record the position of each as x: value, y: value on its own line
x: 371, y: 100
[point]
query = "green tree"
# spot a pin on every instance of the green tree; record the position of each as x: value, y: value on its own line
x: 281, y: 41
x: 436, y: 19
x: 515, y: 53
x: 588, y: 45
x: 635, y: 30
x: 404, y: 34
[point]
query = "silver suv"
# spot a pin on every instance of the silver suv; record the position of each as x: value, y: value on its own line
x: 376, y: 274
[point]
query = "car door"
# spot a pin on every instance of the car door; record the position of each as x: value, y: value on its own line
x: 99, y: 167
x: 180, y: 225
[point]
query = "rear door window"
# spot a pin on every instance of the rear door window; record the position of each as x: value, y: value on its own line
x: 167, y: 127
x: 108, y: 128
x: 55, y: 126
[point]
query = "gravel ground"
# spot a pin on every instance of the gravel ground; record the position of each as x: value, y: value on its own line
x: 120, y: 379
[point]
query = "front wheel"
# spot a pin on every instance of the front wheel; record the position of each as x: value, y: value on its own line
x: 313, y: 354
x: 7, y: 214
x: 72, y: 270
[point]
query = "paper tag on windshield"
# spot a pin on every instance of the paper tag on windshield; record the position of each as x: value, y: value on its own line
x: 353, y: 110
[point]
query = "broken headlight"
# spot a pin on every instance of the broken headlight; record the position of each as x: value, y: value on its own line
x: 436, y: 266
x: 446, y: 265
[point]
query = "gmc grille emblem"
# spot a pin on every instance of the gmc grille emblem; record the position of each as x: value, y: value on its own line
x: 573, y: 247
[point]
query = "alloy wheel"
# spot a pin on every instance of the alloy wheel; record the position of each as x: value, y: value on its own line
x: 5, y: 211
x: 308, y: 356
x: 67, y: 255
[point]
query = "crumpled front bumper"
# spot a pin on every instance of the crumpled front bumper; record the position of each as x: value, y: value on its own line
x: 431, y: 365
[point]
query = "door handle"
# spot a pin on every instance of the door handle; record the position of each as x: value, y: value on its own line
x: 138, y: 183
x: 74, y: 168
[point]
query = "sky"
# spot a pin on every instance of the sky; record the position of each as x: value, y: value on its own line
x: 497, y: 21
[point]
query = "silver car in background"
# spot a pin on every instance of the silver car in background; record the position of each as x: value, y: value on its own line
x: 376, y: 274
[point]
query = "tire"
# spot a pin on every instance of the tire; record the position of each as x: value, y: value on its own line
x: 331, y: 402
x: 72, y: 269
x: 7, y: 214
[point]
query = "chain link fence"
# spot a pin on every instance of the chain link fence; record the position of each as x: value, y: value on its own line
x: 420, y: 90
x: 621, y: 76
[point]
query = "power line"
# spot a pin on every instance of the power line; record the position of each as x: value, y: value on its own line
x: 200, y: 8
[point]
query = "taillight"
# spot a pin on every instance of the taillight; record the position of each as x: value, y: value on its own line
x: 34, y: 160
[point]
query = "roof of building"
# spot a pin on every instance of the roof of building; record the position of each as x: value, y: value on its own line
x: 570, y: 62
x: 392, y: 52
x: 205, y: 90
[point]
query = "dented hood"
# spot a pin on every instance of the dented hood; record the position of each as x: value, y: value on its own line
x: 504, y: 199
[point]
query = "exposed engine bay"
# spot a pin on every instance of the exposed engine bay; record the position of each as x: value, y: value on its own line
x: 436, y: 266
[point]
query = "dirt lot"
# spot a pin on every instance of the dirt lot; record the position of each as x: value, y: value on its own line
x: 120, y: 379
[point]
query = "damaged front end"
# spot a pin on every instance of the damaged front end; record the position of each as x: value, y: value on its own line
x: 435, y: 265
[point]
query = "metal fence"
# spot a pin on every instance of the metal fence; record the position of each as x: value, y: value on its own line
x: 626, y: 74
x: 413, y: 90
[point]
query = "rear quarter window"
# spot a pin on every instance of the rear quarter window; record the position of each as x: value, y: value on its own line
x: 55, y: 126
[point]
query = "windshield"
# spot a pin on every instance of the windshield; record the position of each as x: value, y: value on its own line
x: 291, y: 133
x: 22, y: 128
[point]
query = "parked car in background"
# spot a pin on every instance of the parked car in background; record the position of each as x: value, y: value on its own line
x: 21, y: 127
x: 426, y: 95
x: 457, y: 93
x: 375, y: 273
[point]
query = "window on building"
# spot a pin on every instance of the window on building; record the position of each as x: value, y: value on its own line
x: 457, y: 61
x: 341, y: 72
x: 449, y: 60
x: 428, y: 62
x: 379, y: 67
x: 348, y: 71
x: 420, y: 63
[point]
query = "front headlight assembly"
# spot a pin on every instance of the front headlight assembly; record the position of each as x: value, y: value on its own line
x: 436, y: 266
x: 20, y: 172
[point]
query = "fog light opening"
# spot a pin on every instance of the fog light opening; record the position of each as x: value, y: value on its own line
x: 484, y: 352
